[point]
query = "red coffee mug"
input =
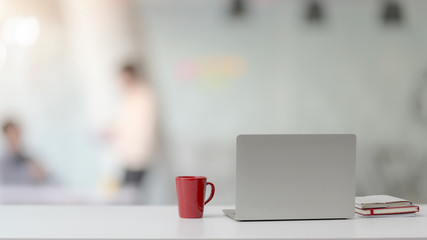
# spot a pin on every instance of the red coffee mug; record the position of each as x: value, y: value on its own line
x: 190, y: 191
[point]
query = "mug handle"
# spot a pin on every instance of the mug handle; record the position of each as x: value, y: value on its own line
x: 212, y: 192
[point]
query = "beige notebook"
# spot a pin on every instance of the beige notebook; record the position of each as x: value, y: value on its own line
x: 381, y: 201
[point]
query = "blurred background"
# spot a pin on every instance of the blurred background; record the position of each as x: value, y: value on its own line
x: 106, y: 101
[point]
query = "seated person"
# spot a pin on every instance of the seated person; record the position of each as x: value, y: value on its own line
x: 17, y: 169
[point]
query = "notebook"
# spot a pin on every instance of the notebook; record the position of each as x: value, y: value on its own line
x: 403, y: 215
x: 387, y: 211
x: 381, y: 201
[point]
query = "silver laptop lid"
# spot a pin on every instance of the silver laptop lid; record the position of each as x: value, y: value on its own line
x: 295, y: 176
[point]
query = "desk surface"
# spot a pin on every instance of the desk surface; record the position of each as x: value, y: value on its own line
x: 162, y: 222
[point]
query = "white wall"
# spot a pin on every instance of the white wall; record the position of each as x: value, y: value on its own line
x: 350, y: 74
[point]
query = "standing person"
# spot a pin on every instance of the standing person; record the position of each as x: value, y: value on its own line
x: 16, y: 168
x: 134, y: 133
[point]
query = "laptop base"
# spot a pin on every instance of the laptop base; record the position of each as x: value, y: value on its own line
x: 231, y: 213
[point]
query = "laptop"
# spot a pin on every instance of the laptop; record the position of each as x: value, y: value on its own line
x: 286, y: 177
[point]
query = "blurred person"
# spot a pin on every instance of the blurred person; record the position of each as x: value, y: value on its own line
x: 134, y: 130
x: 16, y: 168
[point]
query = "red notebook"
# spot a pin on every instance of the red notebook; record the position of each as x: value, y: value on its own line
x: 387, y: 211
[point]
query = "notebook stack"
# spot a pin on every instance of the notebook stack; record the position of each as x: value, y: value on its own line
x: 384, y: 205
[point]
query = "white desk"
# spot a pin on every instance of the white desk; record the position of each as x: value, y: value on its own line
x: 148, y: 222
